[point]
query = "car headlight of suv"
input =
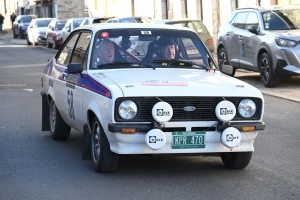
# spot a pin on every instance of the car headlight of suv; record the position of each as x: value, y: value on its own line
x: 286, y: 43
x: 247, y: 108
x: 127, y: 109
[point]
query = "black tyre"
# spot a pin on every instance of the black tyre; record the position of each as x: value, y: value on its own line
x: 103, y: 158
x: 55, y: 46
x: 33, y: 41
x: 48, y: 44
x: 59, y: 130
x: 267, y: 75
x: 236, y: 160
x: 28, y: 42
x: 20, y: 34
x: 14, y: 33
x: 223, y: 60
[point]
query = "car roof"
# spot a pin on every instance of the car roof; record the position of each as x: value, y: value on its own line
x: 100, y: 26
x: 271, y: 7
x: 176, y: 20
x: 41, y: 19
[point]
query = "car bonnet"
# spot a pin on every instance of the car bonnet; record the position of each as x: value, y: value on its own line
x: 174, y: 82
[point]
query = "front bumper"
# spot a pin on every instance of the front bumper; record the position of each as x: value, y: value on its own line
x: 288, y: 63
x: 135, y: 143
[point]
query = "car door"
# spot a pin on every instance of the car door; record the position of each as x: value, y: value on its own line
x: 69, y: 100
x: 250, y: 43
x: 234, y: 44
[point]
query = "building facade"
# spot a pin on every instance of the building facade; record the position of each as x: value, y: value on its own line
x: 212, y: 12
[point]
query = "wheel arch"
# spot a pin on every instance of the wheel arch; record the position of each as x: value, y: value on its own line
x: 264, y: 48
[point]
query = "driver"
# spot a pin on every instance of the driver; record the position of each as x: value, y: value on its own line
x: 166, y: 48
x: 106, y: 52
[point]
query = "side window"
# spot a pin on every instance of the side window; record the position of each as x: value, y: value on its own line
x: 252, y: 20
x: 80, y: 52
x: 240, y: 20
x: 65, y: 55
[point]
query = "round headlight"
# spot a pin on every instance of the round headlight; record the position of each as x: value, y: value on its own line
x: 127, y: 109
x: 247, y: 108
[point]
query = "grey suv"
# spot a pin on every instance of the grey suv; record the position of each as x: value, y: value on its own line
x: 262, y: 40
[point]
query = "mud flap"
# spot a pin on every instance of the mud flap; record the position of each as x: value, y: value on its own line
x: 45, y: 113
x: 86, y: 153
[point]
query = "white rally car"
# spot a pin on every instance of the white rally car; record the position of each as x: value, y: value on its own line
x: 142, y: 104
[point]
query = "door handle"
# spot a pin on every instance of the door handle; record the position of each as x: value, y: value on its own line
x: 227, y: 33
x: 240, y: 37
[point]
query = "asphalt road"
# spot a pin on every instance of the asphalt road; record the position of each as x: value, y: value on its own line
x: 33, y: 166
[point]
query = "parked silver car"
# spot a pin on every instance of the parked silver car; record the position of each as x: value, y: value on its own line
x: 71, y: 24
x: 264, y: 40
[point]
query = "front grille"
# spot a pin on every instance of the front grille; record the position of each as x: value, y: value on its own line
x: 205, y: 108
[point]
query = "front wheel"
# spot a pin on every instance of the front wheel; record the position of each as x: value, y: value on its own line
x: 267, y: 75
x: 223, y: 60
x: 28, y: 42
x: 59, y: 130
x: 48, y: 44
x: 236, y: 160
x: 104, y: 159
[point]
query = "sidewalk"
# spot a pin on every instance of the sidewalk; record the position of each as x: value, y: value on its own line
x: 6, y: 34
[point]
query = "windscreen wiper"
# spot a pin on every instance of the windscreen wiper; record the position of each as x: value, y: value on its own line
x: 114, y: 63
x: 184, y: 63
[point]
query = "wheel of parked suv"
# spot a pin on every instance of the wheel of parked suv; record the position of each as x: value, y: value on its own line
x: 223, y: 60
x: 267, y: 75
x: 236, y: 160
x: 59, y: 130
x: 103, y: 158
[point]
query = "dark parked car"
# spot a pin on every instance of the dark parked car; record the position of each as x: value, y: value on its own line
x: 130, y: 20
x: 195, y: 24
x: 53, y: 33
x: 20, y: 25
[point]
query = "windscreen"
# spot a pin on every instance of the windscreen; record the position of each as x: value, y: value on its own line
x: 281, y: 19
x: 150, y: 47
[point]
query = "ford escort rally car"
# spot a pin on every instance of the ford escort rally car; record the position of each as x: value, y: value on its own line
x: 142, y: 104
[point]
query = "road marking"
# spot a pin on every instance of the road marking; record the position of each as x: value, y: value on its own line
x: 29, y: 90
x: 13, y: 85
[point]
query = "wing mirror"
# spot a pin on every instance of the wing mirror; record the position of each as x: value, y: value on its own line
x: 226, y: 69
x: 68, y: 29
x: 74, y: 68
x: 252, y: 29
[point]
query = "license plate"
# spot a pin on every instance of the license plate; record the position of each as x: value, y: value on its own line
x: 188, y: 140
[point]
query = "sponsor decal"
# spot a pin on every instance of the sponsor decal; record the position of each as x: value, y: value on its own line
x: 50, y: 83
x: 161, y: 112
x: 72, y: 80
x: 230, y: 137
x: 225, y: 111
x: 70, y: 104
x: 163, y: 83
x: 153, y: 139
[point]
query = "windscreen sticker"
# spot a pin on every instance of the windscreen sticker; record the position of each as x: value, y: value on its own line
x: 146, y: 33
x: 163, y: 83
